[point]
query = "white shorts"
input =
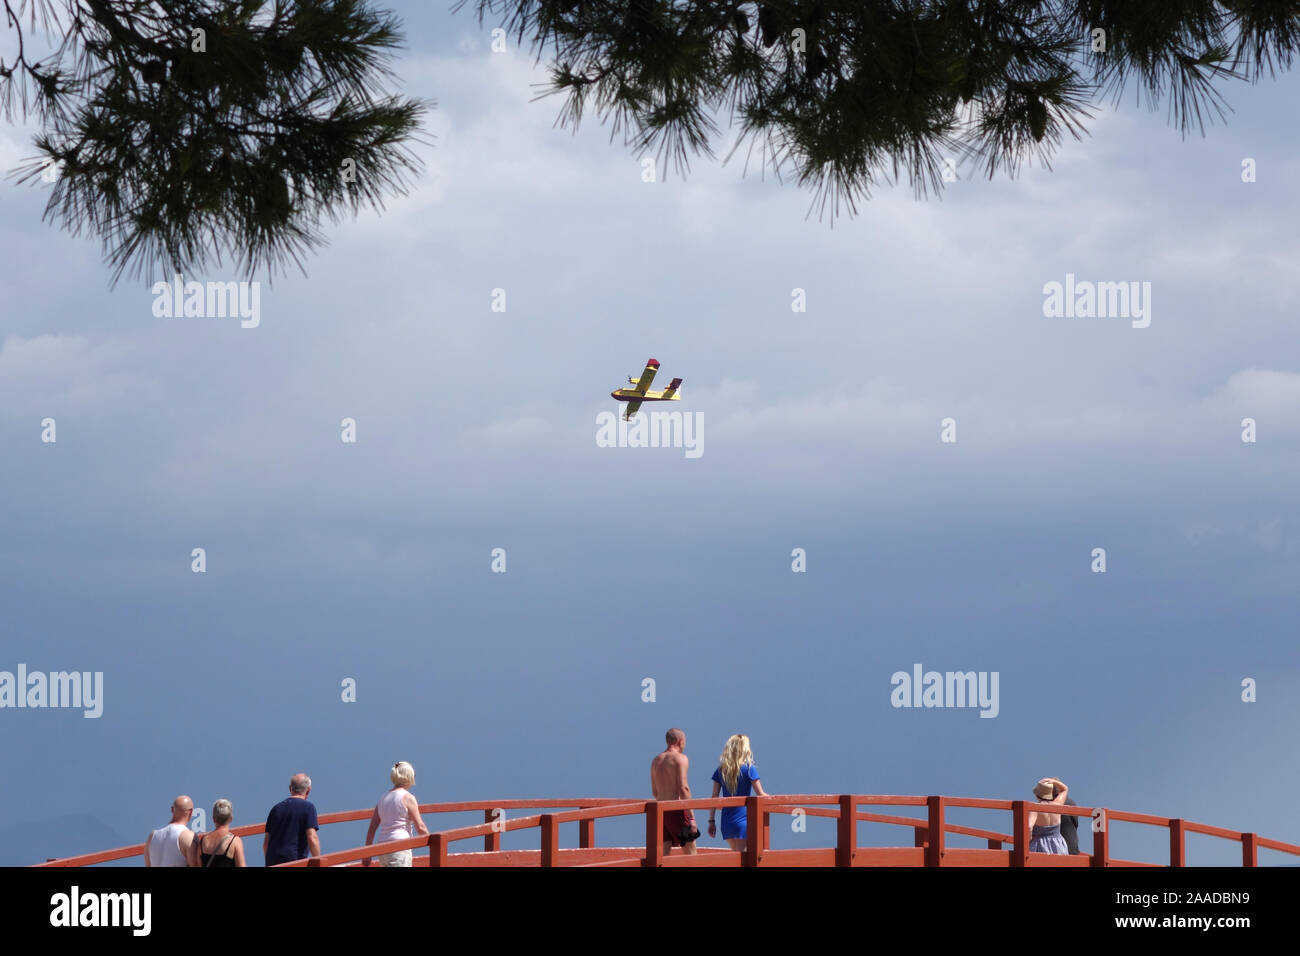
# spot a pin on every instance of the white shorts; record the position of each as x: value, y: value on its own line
x: 400, y: 858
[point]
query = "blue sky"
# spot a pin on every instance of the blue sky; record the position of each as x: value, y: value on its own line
x: 476, y: 430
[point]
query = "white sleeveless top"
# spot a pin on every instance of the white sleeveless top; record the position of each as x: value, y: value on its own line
x: 394, y: 821
x: 165, y: 846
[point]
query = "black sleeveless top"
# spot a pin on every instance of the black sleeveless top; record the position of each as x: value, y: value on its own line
x: 216, y: 859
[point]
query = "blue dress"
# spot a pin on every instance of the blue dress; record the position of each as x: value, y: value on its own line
x: 733, y: 818
x: 1047, y: 840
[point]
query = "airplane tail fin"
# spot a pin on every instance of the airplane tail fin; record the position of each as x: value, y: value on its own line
x: 671, y: 391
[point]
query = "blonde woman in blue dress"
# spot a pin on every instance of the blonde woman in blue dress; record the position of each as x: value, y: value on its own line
x: 1045, y: 828
x: 736, y: 776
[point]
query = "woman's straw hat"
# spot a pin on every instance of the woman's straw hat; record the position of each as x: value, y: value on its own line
x: 1044, y: 790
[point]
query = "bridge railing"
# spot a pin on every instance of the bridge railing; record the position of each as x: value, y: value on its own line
x: 929, y: 835
x: 487, y: 807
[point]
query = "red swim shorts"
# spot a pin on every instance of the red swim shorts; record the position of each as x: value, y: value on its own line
x: 675, y: 821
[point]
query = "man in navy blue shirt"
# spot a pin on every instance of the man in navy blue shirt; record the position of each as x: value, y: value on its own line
x: 291, y: 826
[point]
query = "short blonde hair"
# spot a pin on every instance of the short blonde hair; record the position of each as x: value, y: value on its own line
x: 403, y: 774
x: 222, y: 812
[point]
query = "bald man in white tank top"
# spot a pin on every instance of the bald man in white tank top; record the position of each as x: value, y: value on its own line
x: 170, y: 845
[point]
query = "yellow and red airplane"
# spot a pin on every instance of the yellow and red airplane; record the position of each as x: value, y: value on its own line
x: 640, y: 390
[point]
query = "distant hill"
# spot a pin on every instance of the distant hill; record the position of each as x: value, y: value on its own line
x: 22, y: 844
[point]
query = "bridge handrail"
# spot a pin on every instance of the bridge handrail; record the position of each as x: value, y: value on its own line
x: 346, y: 816
x: 929, y: 832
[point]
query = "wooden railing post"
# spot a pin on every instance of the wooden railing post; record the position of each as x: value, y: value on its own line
x: 313, y: 861
x: 586, y: 833
x: 918, y: 837
x: 995, y: 844
x: 1020, y: 827
x: 492, y: 841
x: 753, y: 832
x: 767, y: 830
x: 1250, y: 849
x: 437, y: 849
x: 934, y: 841
x: 846, y: 843
x: 550, y: 839
x: 1177, y: 843
x: 654, y: 834
x: 1101, y: 842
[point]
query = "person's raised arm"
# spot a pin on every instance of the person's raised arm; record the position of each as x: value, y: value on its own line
x: 1062, y: 790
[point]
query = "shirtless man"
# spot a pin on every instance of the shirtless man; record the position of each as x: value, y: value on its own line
x: 668, y: 782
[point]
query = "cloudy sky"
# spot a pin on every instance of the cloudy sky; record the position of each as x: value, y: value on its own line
x: 476, y: 429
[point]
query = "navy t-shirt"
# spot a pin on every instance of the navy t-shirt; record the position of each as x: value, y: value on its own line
x: 287, y: 825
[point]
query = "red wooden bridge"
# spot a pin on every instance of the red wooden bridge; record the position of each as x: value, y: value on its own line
x: 929, y: 846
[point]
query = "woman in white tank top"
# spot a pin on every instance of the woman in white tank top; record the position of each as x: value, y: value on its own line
x: 396, y: 813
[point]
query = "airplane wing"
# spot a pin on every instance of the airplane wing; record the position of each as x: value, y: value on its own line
x: 648, y: 376
x: 632, y: 408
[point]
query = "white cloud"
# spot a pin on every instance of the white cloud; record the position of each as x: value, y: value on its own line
x: 49, y: 374
x: 1266, y: 390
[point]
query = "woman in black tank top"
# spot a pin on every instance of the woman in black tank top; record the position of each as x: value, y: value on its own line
x: 226, y: 848
x: 219, y: 858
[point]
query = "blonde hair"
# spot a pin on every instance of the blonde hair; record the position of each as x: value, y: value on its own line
x: 402, y: 775
x: 734, y: 756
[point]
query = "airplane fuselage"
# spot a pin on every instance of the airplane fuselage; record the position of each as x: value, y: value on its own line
x: 632, y: 395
